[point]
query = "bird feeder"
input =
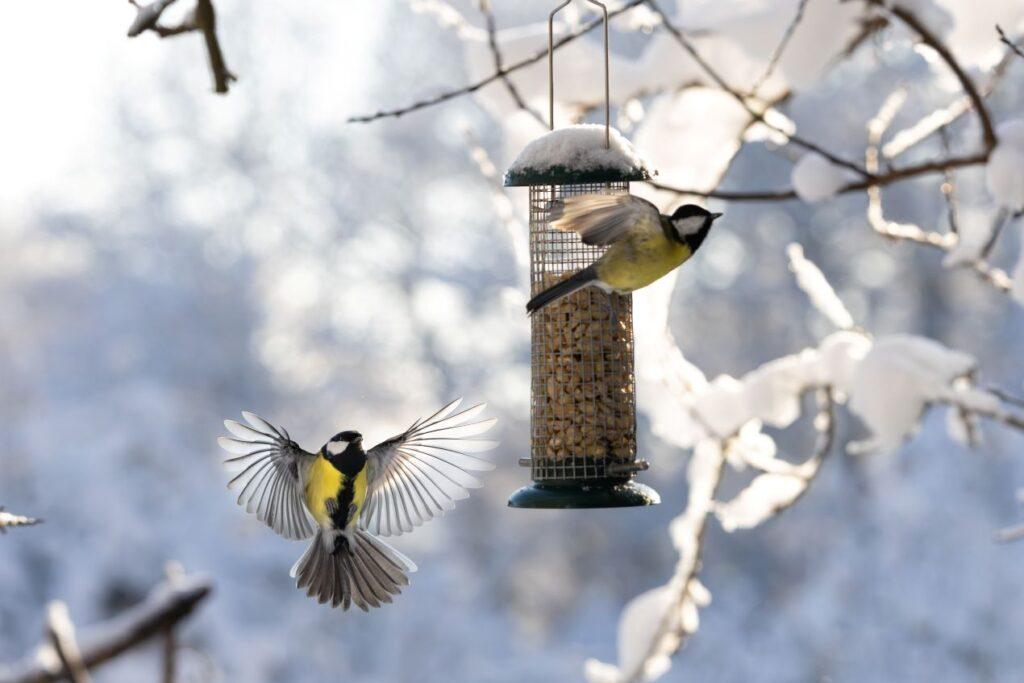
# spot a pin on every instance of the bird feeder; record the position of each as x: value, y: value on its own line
x: 583, y: 388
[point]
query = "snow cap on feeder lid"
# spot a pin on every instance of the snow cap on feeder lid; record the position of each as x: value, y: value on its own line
x: 577, y: 154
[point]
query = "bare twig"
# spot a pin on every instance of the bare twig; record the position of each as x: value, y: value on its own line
x: 891, y: 176
x: 496, y: 76
x: 1016, y: 49
x: 168, y: 604
x: 773, y: 62
x: 206, y: 20
x: 928, y: 38
x: 60, y: 633
x: 499, y: 67
x: 8, y: 520
x: 759, y: 116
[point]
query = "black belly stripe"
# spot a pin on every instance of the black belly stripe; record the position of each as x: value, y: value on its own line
x: 347, y: 493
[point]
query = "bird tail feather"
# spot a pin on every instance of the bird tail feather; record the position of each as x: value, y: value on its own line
x: 365, y: 573
x: 587, y: 276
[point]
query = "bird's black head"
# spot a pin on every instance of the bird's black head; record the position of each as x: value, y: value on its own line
x: 692, y: 224
x: 343, y: 444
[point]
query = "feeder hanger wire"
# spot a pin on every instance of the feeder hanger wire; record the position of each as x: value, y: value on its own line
x: 551, y: 70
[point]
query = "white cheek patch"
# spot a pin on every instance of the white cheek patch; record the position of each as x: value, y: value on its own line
x: 689, y: 226
x: 337, y: 447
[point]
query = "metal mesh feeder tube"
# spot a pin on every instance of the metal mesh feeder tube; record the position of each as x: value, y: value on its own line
x: 583, y: 387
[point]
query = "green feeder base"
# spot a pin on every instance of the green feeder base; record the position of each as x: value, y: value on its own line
x: 603, y: 493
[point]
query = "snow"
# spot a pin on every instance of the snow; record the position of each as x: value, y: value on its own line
x: 896, y: 381
x: 1004, y: 173
x: 759, y: 500
x: 771, y: 393
x: 974, y: 231
x: 816, y: 179
x: 580, y: 148
x: 812, y: 281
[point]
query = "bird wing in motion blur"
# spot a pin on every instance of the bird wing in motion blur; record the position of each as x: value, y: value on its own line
x: 602, y: 219
x: 270, y: 475
x: 420, y: 473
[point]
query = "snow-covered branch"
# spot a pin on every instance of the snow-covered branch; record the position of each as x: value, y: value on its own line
x: 8, y: 520
x: 167, y: 605
x: 889, y: 383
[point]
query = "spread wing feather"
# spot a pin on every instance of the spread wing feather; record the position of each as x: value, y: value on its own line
x: 419, y: 474
x: 268, y: 465
x: 601, y: 219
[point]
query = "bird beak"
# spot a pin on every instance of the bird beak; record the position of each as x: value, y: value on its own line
x: 715, y: 216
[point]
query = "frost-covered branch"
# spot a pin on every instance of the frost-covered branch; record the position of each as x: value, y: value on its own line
x: 167, y: 605
x: 757, y: 115
x: 202, y: 18
x: 498, y: 75
x: 60, y: 633
x: 929, y: 38
x: 8, y: 520
x: 945, y: 242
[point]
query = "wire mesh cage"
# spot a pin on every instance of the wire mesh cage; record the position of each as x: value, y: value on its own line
x: 583, y: 389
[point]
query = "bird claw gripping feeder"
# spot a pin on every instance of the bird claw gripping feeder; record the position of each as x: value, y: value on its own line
x: 583, y: 408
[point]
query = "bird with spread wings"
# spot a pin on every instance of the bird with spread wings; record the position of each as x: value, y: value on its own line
x: 345, y: 497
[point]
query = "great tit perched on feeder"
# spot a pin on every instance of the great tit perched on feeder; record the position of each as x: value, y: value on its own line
x: 643, y: 244
x: 344, y: 496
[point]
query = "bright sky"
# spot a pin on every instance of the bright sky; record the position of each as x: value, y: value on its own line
x: 63, y: 61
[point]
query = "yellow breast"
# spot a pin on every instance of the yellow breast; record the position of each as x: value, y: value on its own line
x: 323, y: 485
x: 637, y: 262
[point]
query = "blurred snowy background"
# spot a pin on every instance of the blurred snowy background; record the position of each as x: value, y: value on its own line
x: 171, y: 257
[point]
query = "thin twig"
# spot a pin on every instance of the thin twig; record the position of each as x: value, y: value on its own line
x: 773, y: 62
x: 496, y: 76
x: 499, y: 67
x: 1010, y: 44
x: 759, y: 116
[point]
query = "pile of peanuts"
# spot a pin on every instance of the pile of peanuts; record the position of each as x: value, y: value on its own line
x: 583, y: 377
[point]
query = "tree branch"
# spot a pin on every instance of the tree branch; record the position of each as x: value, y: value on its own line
x: 206, y: 21
x: 773, y: 62
x: 60, y: 632
x: 496, y: 76
x: 1016, y: 49
x: 879, y: 180
x: 933, y: 41
x: 169, y: 603
x: 756, y: 115
x: 8, y: 520
x: 492, y: 42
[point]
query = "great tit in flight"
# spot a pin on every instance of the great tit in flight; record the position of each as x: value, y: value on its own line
x: 643, y: 244
x: 344, y: 496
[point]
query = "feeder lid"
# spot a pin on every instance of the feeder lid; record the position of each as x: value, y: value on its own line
x: 577, y: 154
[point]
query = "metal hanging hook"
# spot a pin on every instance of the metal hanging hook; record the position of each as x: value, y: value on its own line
x: 551, y: 70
